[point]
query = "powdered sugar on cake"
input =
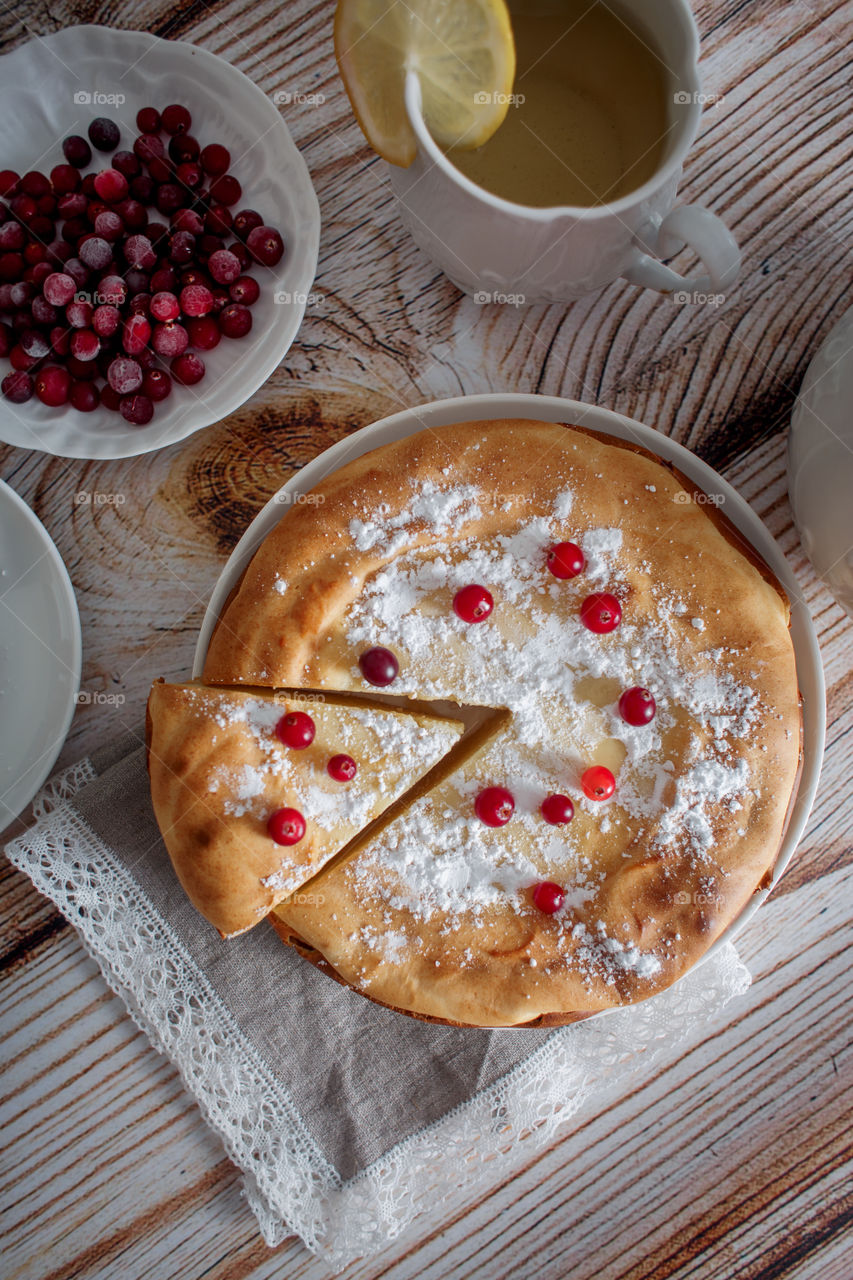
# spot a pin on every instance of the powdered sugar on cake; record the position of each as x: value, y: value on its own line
x: 536, y: 658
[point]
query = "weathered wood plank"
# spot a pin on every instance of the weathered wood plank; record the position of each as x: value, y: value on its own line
x: 736, y: 1144
x: 730, y: 1161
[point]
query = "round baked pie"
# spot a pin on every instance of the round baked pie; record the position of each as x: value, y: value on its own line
x: 622, y: 662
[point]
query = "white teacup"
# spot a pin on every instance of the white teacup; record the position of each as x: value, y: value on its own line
x: 489, y: 246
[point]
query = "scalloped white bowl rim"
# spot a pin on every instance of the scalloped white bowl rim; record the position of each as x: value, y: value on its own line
x: 93, y: 55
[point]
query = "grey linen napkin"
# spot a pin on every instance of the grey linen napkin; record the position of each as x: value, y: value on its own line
x: 346, y: 1119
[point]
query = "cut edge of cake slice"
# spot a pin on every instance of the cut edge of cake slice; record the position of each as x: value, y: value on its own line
x: 219, y: 771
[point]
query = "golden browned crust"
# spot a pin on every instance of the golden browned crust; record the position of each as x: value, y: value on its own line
x: 665, y: 881
x: 217, y: 772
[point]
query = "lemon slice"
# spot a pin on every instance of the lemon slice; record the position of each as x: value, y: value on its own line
x: 464, y: 56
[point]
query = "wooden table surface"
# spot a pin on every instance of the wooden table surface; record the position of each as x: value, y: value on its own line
x: 730, y: 1160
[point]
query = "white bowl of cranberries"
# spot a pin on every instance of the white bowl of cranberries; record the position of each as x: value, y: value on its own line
x: 137, y: 278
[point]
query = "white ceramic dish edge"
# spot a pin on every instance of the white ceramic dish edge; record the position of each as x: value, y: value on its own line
x: 20, y: 801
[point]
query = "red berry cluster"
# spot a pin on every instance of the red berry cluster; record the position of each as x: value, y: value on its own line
x: 110, y: 275
x: 296, y: 730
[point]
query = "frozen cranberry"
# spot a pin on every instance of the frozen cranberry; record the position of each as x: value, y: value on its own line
x: 39, y: 272
x: 181, y: 248
x: 84, y: 396
x: 203, y: 333
x: 35, y: 184
x: 286, y: 826
x: 111, y: 185
x: 87, y: 186
x: 473, y: 603
x: 235, y: 321
x: 548, y: 897
x: 12, y: 236
x: 379, y: 666
x: 265, y: 245
x: 183, y: 146
x: 138, y: 252
x: 85, y: 344
x: 196, y: 300
x: 8, y: 182
x: 225, y: 190
x: 245, y: 290
x: 106, y: 320
x: 241, y: 253
x: 187, y: 220
x: 21, y: 293
x: 176, y: 119
x: 169, y: 198
x: 165, y: 306
x: 96, y: 252
x: 127, y: 164
x: 110, y: 399
x: 59, y: 289
x: 108, y: 225
x: 342, y: 768
x: 494, y: 806
x: 296, y: 730
x: 77, y: 151
x: 215, y: 158
x: 111, y: 291
x: 60, y: 340
x: 218, y: 220
x: 170, y: 340
x: 224, y: 266
x: 72, y: 205
x: 64, y: 178
x: 637, y: 706
x: 19, y: 359
x: 124, y: 375
x: 189, y: 174
x: 6, y: 340
x: 79, y: 314
x: 43, y: 312
x: 142, y: 188
x: 103, y: 134
x: 17, y: 386
x: 598, y: 783
x: 557, y: 809
x: 135, y: 334
x: 601, y: 612
x: 245, y: 221
x: 34, y: 344
x: 187, y: 369
x: 565, y: 560
x: 157, y: 384
x: 148, y: 120
x: 52, y: 385
x: 34, y: 253
x: 137, y: 410
x: 164, y: 280
x: 140, y: 304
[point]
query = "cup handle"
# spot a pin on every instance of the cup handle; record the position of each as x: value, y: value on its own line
x: 708, y: 237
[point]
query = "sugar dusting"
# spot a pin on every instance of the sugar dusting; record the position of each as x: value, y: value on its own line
x: 535, y: 657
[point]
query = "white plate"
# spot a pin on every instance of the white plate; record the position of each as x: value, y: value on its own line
x: 442, y: 413
x: 40, y: 652
x: 38, y: 85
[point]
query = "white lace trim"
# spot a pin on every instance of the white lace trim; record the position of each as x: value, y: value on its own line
x: 288, y: 1182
